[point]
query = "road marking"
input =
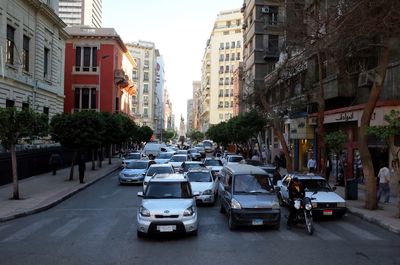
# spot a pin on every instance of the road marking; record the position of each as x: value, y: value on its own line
x: 325, y: 234
x: 102, y: 228
x: 27, y: 231
x: 110, y: 195
x: 358, y: 231
x: 68, y: 227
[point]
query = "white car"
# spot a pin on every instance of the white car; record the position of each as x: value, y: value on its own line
x: 233, y: 159
x: 326, y: 203
x: 215, y: 165
x: 203, y: 182
x: 131, y: 157
x: 133, y: 172
x: 177, y: 160
x: 155, y: 169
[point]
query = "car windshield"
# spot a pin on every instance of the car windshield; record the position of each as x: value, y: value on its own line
x: 235, y: 159
x: 183, y: 152
x: 315, y: 185
x: 159, y: 170
x: 212, y: 162
x: 178, y: 159
x: 165, y: 155
x: 249, y: 183
x: 164, y: 190
x: 137, y: 165
x: 133, y: 156
x: 199, y: 177
x: 207, y: 144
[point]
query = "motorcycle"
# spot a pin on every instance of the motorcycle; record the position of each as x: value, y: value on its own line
x: 304, y: 213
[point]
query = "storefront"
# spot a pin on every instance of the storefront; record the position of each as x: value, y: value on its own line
x: 302, y: 142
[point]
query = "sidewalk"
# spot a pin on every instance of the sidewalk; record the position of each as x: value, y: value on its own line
x: 384, y: 216
x: 44, y: 191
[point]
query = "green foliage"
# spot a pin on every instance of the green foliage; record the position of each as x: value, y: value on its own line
x: 145, y: 133
x: 15, y: 124
x: 335, y: 141
x: 168, y: 135
x: 196, y: 136
x: 391, y: 129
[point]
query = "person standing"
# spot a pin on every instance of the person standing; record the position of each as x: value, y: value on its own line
x: 81, y: 167
x: 384, y: 188
x: 55, y: 162
x: 311, y: 165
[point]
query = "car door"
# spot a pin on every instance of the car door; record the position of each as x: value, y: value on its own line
x: 227, y: 194
x: 285, y: 188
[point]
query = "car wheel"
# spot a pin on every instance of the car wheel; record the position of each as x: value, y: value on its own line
x: 231, y: 225
x: 221, y: 208
x: 194, y: 233
x: 140, y: 234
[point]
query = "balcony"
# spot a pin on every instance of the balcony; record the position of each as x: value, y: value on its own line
x: 271, y: 53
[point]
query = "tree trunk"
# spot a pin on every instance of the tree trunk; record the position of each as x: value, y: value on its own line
x: 14, y: 172
x: 368, y: 168
x: 71, y: 172
x: 281, y: 138
x: 109, y: 154
x: 321, y: 153
x: 93, y: 159
x: 101, y: 156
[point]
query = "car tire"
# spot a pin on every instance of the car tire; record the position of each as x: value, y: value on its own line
x: 194, y: 233
x: 140, y: 234
x: 221, y: 208
x: 231, y: 225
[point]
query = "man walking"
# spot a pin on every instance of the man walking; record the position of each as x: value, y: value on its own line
x: 384, y: 179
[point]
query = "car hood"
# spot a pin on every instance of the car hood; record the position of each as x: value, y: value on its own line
x: 201, y: 186
x: 325, y: 196
x: 256, y: 200
x: 174, y: 206
x: 175, y: 164
x: 133, y: 171
x: 161, y: 160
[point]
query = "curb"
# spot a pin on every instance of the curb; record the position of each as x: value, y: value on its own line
x: 373, y: 220
x: 54, y: 203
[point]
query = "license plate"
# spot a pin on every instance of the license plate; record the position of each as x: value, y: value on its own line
x: 257, y: 222
x: 166, y: 228
x: 327, y: 212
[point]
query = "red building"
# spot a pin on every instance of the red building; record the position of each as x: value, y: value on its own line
x: 98, y: 71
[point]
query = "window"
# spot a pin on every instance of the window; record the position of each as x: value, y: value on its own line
x: 232, y: 56
x: 221, y: 92
x: 146, y: 100
x: 145, y: 112
x: 226, y: 116
x: 273, y: 43
x: 226, y: 83
x: 25, y: 53
x: 228, y: 24
x: 227, y: 69
x: 146, y: 64
x: 146, y: 76
x: 226, y: 32
x: 227, y: 45
x: 226, y: 104
x: 25, y: 106
x: 232, y: 44
x: 227, y: 57
x: 220, y: 105
x: 227, y: 90
x: 221, y: 57
x: 232, y: 67
x: 134, y: 74
x: 221, y: 46
x: 9, y: 103
x: 85, y: 98
x: 238, y: 22
x: 221, y: 81
x: 232, y: 84
x: 238, y: 44
x: 86, y: 59
x: 238, y: 56
x: 221, y: 69
x: 145, y: 88
x: 231, y: 104
x: 273, y: 15
x: 10, y: 45
x: 46, y: 61
x: 46, y: 111
x: 221, y: 116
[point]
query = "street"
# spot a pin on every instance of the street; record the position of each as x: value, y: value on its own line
x: 98, y: 226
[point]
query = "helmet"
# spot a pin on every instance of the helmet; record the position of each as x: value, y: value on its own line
x: 295, y: 179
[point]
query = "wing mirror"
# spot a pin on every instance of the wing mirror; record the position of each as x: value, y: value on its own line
x: 196, y: 193
x: 140, y: 194
x: 279, y: 183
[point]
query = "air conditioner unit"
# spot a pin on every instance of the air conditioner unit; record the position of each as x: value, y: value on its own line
x: 365, y: 78
x: 265, y: 10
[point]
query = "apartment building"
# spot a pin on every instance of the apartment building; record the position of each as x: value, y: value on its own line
x: 168, y: 114
x: 196, y: 105
x: 145, y: 102
x: 81, y: 12
x: 32, y: 44
x: 223, y: 50
x: 159, y: 102
x: 98, y: 71
x: 189, y: 116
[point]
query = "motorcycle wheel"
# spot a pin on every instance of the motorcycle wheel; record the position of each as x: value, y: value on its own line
x: 309, y: 223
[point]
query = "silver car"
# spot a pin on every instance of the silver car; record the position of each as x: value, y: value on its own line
x: 203, y: 182
x: 154, y: 170
x: 133, y: 172
x: 168, y: 206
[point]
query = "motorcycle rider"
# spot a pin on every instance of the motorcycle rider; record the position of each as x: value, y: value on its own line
x: 296, y: 191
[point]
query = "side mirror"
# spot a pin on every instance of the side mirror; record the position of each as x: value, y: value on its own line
x: 140, y: 194
x: 196, y: 193
x: 279, y: 183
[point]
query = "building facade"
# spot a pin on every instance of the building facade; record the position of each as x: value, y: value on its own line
x: 32, y: 44
x: 159, y: 103
x: 223, y: 50
x: 98, y: 72
x: 196, y: 105
x: 81, y: 12
x: 145, y: 102
x: 168, y: 114
x: 189, y: 116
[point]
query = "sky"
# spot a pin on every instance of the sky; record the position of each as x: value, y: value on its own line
x: 179, y: 29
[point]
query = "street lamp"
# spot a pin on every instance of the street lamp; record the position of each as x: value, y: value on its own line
x: 99, y: 79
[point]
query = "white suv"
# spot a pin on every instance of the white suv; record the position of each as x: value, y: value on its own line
x: 168, y: 206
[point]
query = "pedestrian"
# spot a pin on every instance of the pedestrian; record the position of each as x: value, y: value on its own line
x: 311, y: 165
x: 384, y: 188
x: 282, y: 159
x: 55, y: 162
x: 81, y: 167
x: 255, y: 156
x: 328, y: 168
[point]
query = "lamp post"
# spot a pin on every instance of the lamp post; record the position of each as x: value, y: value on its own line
x: 99, y: 81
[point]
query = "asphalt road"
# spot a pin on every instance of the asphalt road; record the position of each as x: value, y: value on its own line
x: 98, y: 226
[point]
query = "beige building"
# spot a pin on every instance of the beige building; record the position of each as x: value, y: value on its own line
x: 168, y: 115
x: 196, y: 105
x: 81, y: 12
x: 32, y: 45
x: 223, y: 50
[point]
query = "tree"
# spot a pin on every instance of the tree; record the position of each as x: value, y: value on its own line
x: 15, y: 124
x: 334, y: 143
x: 196, y: 136
x: 112, y: 131
x: 168, y: 135
x: 388, y: 133
x: 145, y: 133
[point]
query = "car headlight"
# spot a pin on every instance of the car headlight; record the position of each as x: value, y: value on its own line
x: 207, y: 192
x: 235, y: 204
x: 189, y: 211
x: 308, y: 207
x: 144, y: 212
x: 341, y: 204
x: 275, y: 205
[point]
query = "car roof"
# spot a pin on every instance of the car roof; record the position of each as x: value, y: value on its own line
x: 304, y: 176
x: 160, y: 165
x: 168, y: 178
x: 193, y: 162
x: 245, y: 169
x: 138, y: 160
x: 199, y: 170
